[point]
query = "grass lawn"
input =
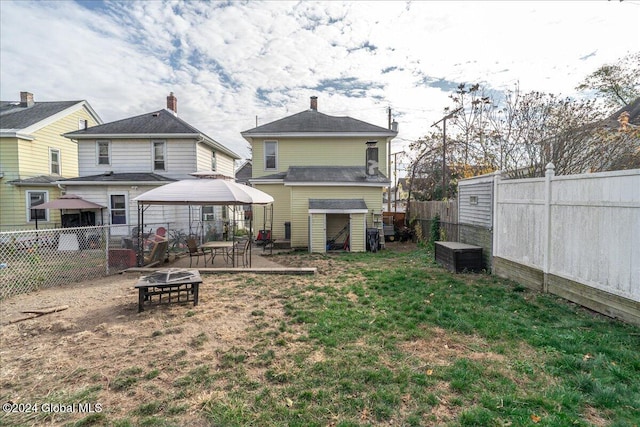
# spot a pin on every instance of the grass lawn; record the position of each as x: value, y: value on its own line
x: 383, y: 339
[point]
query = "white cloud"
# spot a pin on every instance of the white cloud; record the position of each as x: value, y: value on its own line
x: 228, y: 62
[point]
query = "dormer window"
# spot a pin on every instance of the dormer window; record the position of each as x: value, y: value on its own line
x: 159, y: 156
x: 271, y: 155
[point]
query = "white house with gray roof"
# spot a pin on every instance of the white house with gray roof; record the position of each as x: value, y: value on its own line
x: 123, y: 159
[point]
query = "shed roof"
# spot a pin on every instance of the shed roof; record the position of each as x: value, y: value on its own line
x: 337, y: 204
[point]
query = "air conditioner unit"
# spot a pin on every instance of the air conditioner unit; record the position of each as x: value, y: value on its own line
x: 208, y: 217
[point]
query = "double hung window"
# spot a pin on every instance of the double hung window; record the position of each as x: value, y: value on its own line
x: 271, y: 155
x: 159, y: 156
x: 35, y: 198
x: 118, y: 209
x: 103, y: 150
x: 54, y: 161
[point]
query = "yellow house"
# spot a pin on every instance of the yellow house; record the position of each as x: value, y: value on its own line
x: 34, y: 154
x: 326, y: 174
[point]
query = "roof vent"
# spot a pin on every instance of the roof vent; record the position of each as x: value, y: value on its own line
x: 109, y: 173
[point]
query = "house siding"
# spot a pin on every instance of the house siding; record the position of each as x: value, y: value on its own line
x: 281, y: 209
x: 22, y: 159
x: 357, y: 237
x: 224, y: 164
x: 300, y: 196
x: 476, y: 220
x: 184, y: 157
x: 312, y: 152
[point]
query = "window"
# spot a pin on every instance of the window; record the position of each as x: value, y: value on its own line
x: 271, y: 155
x: 104, y: 152
x: 118, y: 209
x: 208, y: 213
x: 159, y: 156
x: 473, y: 200
x: 214, y: 162
x: 35, y: 198
x: 54, y: 161
x: 83, y: 124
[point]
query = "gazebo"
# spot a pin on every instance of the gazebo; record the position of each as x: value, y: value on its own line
x: 205, y: 191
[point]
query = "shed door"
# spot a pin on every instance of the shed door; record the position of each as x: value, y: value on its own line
x: 317, y: 233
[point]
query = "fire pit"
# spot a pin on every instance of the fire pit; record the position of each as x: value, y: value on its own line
x: 172, y: 285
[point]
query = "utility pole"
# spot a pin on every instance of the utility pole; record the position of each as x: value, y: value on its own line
x: 444, y: 149
x: 395, y: 179
x: 389, y: 163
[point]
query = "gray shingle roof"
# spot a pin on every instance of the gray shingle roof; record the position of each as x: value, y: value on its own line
x: 337, y: 204
x: 243, y: 174
x: 342, y: 174
x: 162, y: 122
x: 634, y: 114
x: 312, y: 121
x: 157, y: 122
x: 36, y: 180
x: 119, y: 177
x: 13, y: 116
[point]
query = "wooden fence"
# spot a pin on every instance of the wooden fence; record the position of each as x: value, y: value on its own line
x: 424, y: 213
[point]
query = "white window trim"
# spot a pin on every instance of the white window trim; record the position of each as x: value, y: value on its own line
x: 98, y: 142
x: 28, y: 205
x: 264, y: 154
x: 153, y: 155
x: 126, y: 207
x: 51, y: 151
x: 83, y: 124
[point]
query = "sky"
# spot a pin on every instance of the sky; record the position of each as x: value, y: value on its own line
x: 233, y: 64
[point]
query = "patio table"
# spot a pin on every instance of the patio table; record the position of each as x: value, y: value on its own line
x: 218, y: 247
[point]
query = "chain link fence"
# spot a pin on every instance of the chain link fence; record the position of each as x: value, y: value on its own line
x: 36, y: 259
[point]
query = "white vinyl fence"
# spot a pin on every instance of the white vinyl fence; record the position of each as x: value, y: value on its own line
x: 577, y: 236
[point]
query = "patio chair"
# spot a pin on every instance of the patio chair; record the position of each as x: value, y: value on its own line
x: 264, y: 239
x: 158, y: 253
x: 195, y: 252
x: 241, y: 252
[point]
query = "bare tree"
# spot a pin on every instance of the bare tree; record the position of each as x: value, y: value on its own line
x: 618, y: 84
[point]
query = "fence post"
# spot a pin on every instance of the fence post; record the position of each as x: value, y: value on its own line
x: 497, y: 177
x: 549, y: 174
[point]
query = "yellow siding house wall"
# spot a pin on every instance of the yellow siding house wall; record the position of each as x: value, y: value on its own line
x: 300, y: 196
x: 23, y: 159
x: 281, y: 209
x: 317, y: 152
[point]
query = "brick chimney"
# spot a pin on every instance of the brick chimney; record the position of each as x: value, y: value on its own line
x: 26, y: 99
x: 172, y: 103
x: 314, y: 103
